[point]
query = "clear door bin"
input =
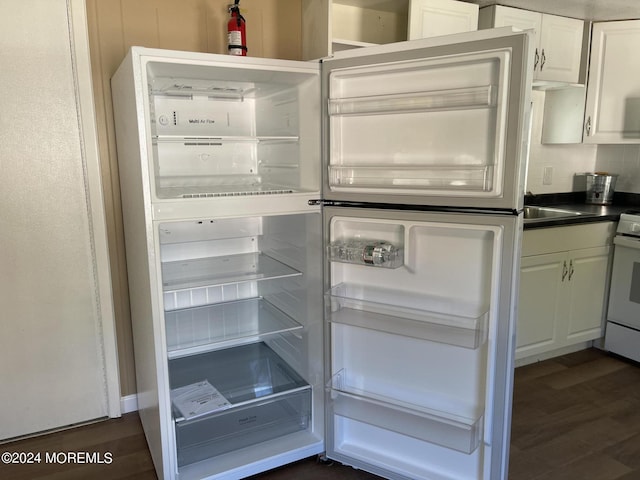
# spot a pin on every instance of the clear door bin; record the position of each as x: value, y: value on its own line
x: 437, y: 319
x: 367, y: 252
x: 261, y: 398
x: 437, y: 427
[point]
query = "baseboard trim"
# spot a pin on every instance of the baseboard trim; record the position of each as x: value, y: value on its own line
x: 129, y: 403
x: 521, y: 362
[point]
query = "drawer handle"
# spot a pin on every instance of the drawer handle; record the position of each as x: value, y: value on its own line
x: 588, y: 126
x: 565, y: 271
x: 536, y: 60
x: 543, y: 60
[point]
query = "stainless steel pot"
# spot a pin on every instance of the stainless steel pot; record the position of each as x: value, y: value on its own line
x: 600, y: 188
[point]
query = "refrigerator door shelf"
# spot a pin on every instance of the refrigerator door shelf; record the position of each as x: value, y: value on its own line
x: 459, y: 98
x: 437, y: 427
x: 440, y: 320
x: 468, y: 180
x: 200, y: 329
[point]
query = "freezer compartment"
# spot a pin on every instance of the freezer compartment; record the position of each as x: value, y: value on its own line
x: 437, y: 319
x: 229, y: 130
x: 265, y: 399
x: 195, y: 330
x: 437, y: 427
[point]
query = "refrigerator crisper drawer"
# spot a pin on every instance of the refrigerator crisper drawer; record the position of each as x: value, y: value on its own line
x: 414, y: 316
x: 265, y: 399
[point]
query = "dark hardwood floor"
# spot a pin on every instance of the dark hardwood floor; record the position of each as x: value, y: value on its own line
x: 576, y: 417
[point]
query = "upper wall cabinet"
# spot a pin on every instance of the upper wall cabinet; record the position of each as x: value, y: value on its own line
x: 330, y: 26
x: 431, y: 18
x: 612, y: 113
x: 558, y: 40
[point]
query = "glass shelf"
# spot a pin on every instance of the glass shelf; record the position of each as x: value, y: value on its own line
x: 441, y: 320
x: 204, y: 140
x: 199, y: 329
x: 428, y: 177
x: 214, y: 271
x: 440, y: 428
x: 453, y: 99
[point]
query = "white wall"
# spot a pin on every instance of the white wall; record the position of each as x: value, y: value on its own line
x: 623, y: 160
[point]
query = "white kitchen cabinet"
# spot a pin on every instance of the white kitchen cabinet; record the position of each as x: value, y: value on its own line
x: 329, y: 26
x: 558, y: 40
x: 612, y: 113
x: 563, y: 287
x: 431, y: 18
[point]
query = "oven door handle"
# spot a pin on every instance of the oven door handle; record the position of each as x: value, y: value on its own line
x: 630, y: 242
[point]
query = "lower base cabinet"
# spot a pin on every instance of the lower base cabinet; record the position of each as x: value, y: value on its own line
x: 563, y: 287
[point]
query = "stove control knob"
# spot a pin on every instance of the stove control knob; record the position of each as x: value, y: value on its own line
x: 635, y: 228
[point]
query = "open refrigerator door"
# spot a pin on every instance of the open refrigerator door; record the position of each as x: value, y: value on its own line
x: 419, y: 356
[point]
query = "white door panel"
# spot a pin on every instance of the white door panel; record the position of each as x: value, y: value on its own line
x: 57, y: 350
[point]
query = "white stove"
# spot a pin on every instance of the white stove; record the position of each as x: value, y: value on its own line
x: 623, y: 317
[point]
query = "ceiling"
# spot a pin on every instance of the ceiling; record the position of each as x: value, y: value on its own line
x: 583, y: 9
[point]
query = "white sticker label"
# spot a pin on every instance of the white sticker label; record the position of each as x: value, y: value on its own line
x: 235, y: 37
x: 198, y: 399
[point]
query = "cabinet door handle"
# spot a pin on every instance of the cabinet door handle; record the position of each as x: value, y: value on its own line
x: 565, y: 271
x: 570, y: 269
x: 543, y: 59
x: 587, y: 126
x: 536, y: 60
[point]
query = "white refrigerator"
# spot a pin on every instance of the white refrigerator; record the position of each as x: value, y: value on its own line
x: 323, y: 256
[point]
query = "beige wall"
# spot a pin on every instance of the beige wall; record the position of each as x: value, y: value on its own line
x: 273, y: 30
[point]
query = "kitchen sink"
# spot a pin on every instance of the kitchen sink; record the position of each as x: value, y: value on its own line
x: 532, y: 213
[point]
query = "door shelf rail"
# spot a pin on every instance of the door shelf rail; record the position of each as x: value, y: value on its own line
x: 437, y: 427
x: 196, y: 330
x: 417, y: 316
x: 224, y: 270
x: 439, y: 100
x: 418, y: 177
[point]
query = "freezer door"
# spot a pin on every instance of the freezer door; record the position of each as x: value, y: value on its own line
x: 440, y: 122
x: 420, y: 320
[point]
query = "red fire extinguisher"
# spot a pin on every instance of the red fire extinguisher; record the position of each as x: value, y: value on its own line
x: 237, y: 33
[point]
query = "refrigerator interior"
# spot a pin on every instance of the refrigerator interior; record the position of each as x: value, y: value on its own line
x: 232, y: 130
x: 411, y: 345
x: 243, y: 325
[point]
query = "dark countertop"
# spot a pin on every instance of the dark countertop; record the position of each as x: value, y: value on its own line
x: 575, y: 201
